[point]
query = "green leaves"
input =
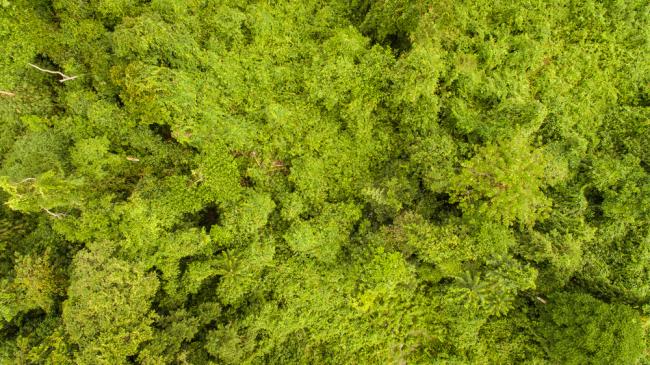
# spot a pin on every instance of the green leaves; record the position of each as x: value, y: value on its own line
x: 157, y: 94
x: 503, y: 182
x: 37, y: 282
x: 578, y: 328
x: 44, y: 193
x: 323, y: 236
x: 150, y: 39
x: 107, y: 313
x: 328, y: 182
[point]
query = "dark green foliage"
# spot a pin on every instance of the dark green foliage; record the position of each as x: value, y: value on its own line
x: 324, y: 182
x: 579, y: 329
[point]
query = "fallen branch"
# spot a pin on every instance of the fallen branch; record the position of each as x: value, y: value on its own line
x: 64, y: 76
x: 7, y: 93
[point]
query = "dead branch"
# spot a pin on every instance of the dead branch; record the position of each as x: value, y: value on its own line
x: 257, y: 160
x: 277, y: 164
x: 55, y: 215
x: 64, y: 77
x: 7, y: 93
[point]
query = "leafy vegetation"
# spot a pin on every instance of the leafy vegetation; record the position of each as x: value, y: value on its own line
x: 324, y: 182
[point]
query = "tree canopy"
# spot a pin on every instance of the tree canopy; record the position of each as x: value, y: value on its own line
x: 324, y: 182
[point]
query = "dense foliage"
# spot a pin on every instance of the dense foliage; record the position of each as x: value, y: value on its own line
x: 324, y: 182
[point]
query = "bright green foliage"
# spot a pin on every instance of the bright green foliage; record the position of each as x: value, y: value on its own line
x: 324, y: 182
x: 322, y: 237
x: 503, y: 183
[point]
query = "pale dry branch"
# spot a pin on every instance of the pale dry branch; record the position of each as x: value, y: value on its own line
x: 55, y: 215
x: 64, y: 76
x: 277, y: 164
x: 7, y: 93
x: 257, y: 160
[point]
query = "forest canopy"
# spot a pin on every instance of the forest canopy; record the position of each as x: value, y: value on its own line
x: 324, y: 182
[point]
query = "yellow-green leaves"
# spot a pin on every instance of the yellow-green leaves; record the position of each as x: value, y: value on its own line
x: 503, y: 182
x: 107, y: 313
x: 322, y: 237
x: 157, y: 94
x: 45, y: 193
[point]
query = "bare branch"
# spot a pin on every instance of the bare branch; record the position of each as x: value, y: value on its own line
x: 55, y: 215
x: 27, y: 179
x: 64, y: 77
x: 7, y: 93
